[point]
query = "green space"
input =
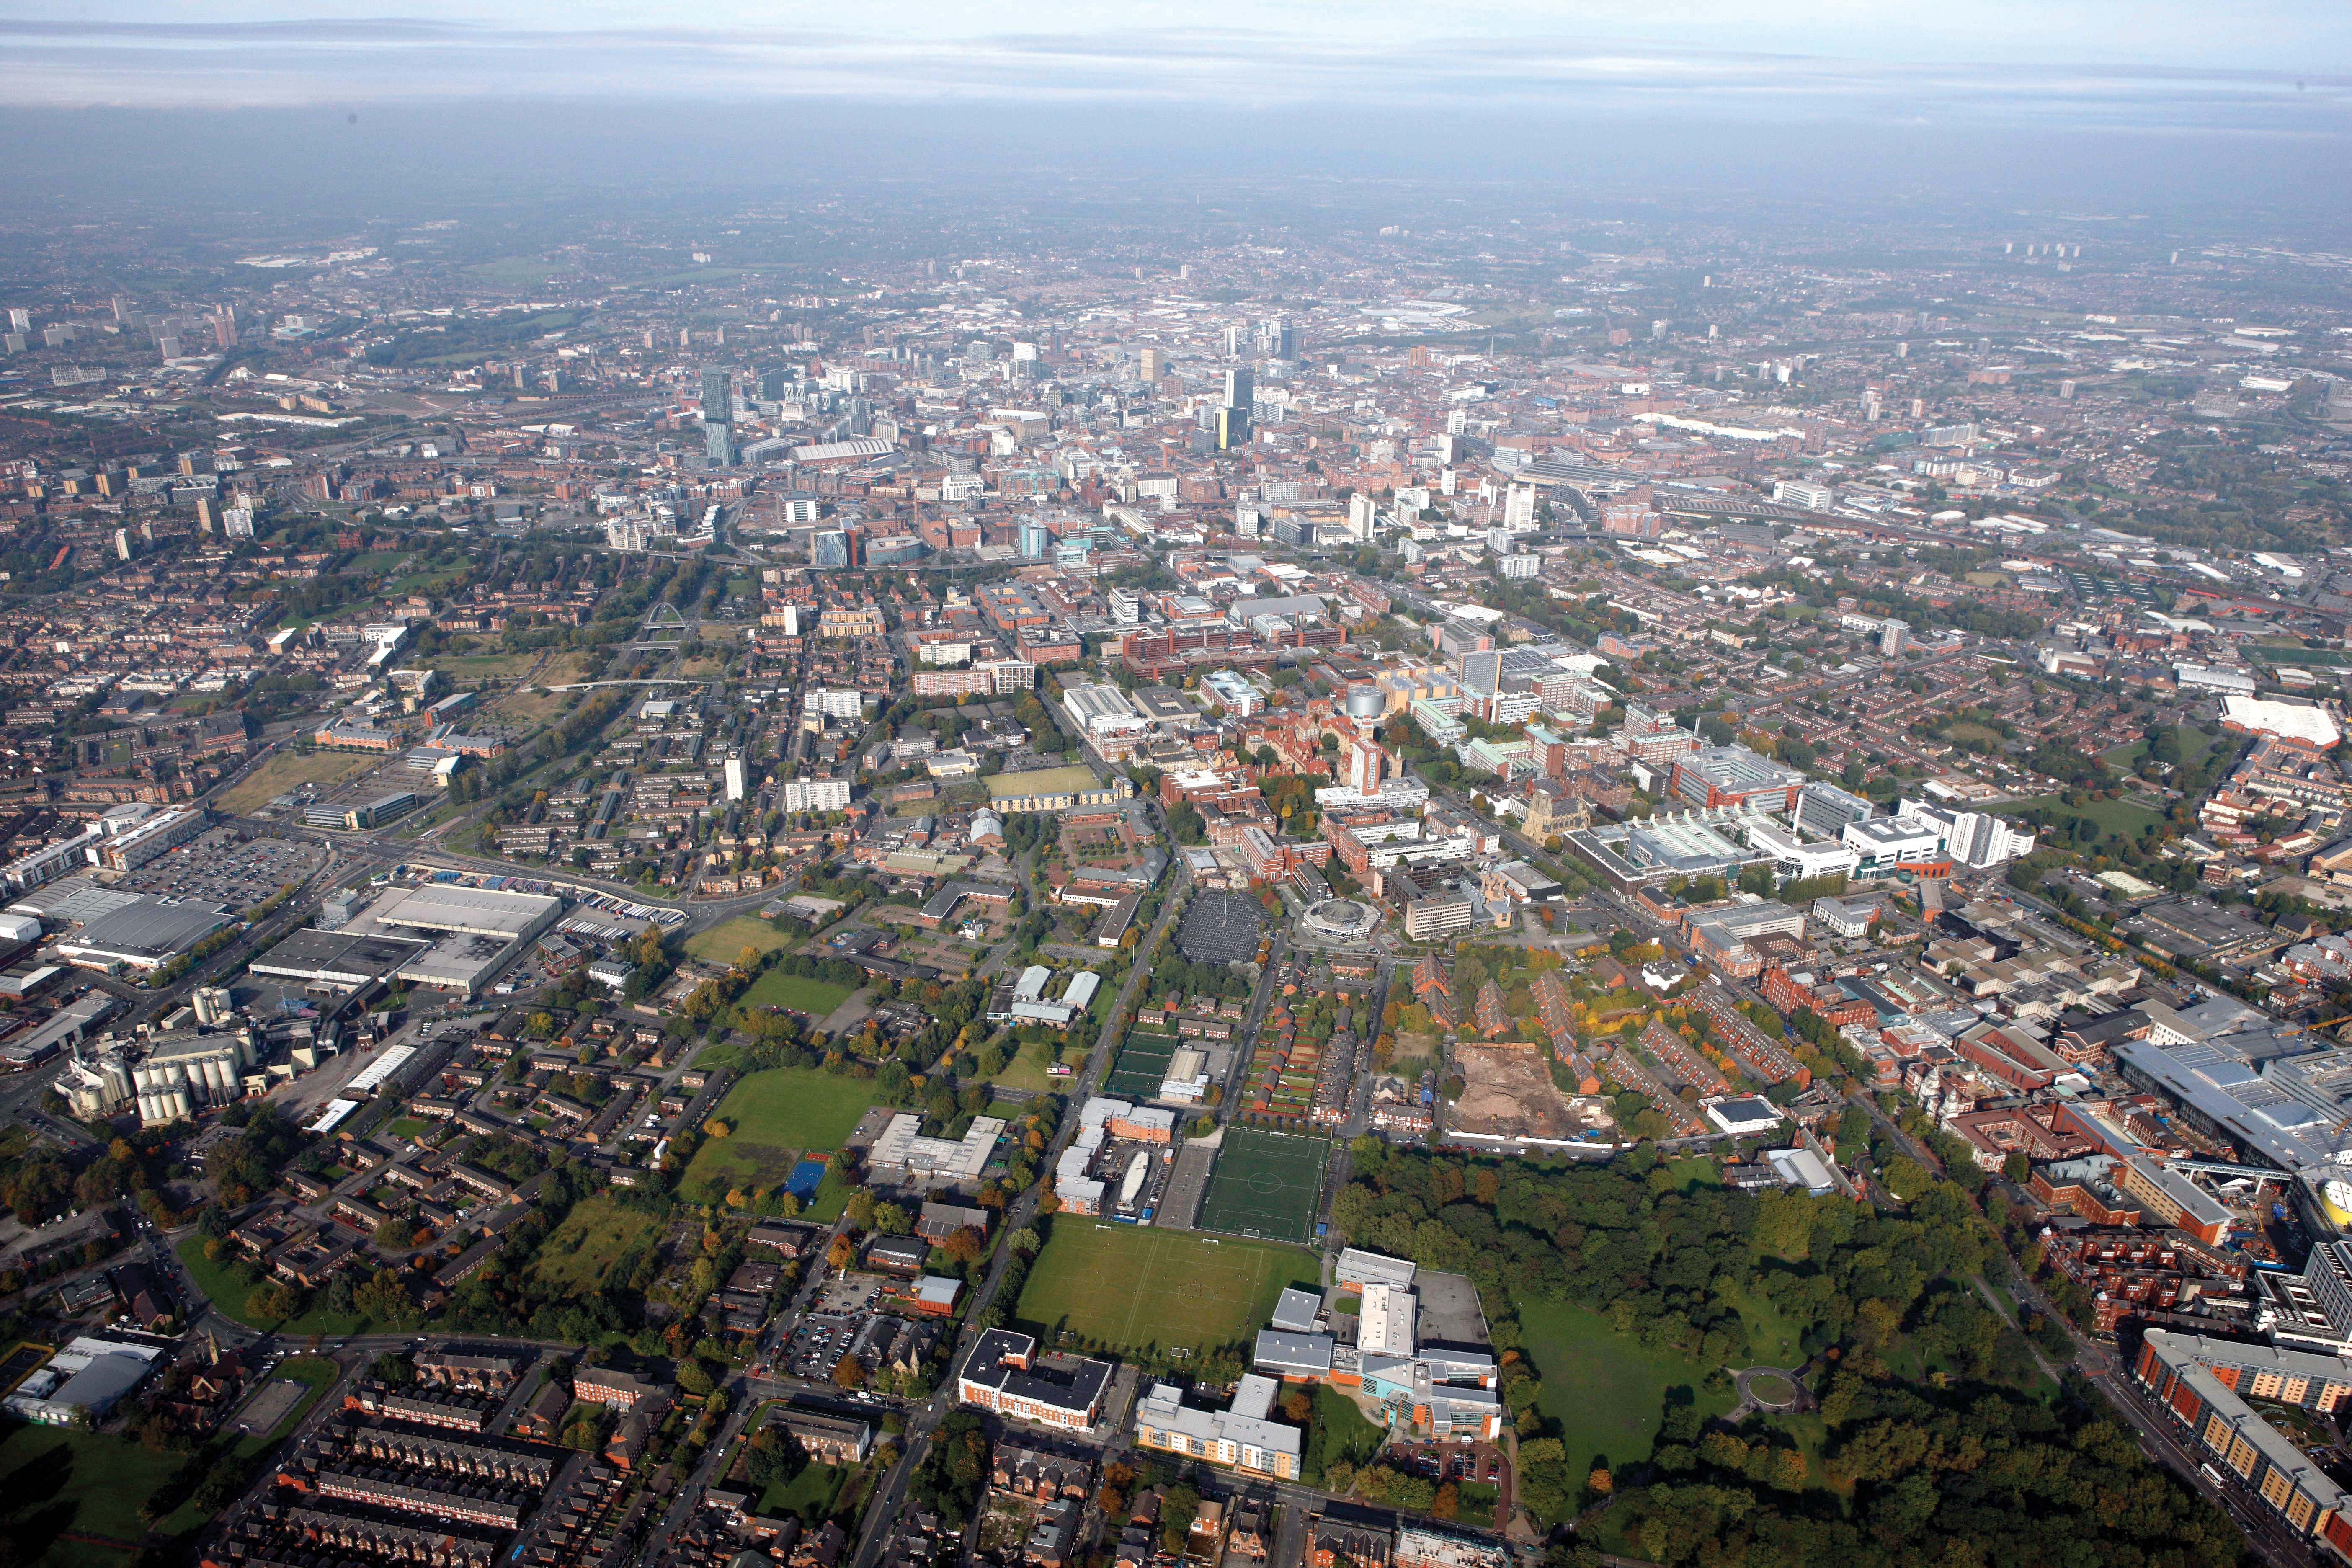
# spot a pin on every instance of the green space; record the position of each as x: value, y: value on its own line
x: 1265, y: 1184
x: 407, y: 1127
x: 1068, y: 780
x: 776, y: 1115
x: 723, y: 942
x: 226, y: 1283
x: 1336, y: 1430
x: 597, y: 1234
x: 1123, y: 1288
x: 797, y: 994
x: 2195, y: 747
x: 812, y: 1494
x: 832, y: 1197
x: 2325, y: 657
x: 1606, y: 1389
x: 1027, y: 1067
x: 2116, y: 817
x: 1141, y: 1066
x: 1476, y: 1506
x: 485, y: 666
x: 1772, y: 1389
x: 57, y: 1481
x: 1773, y: 1340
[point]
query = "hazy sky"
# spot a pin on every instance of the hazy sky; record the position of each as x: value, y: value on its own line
x: 2269, y: 65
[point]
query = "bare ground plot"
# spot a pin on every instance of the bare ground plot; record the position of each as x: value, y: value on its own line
x: 1509, y: 1094
x: 288, y: 769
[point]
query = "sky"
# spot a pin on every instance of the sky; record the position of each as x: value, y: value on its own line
x: 2121, y: 105
x: 2259, y: 67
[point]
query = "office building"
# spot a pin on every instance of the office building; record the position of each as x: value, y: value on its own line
x: 1823, y: 810
x: 829, y: 547
x: 719, y: 416
x: 1245, y: 1438
x: 1004, y: 1374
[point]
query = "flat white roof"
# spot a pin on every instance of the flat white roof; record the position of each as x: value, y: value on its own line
x: 388, y: 1061
x: 484, y: 911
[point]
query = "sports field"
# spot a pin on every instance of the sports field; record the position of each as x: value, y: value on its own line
x: 778, y: 1115
x: 1142, y: 1065
x: 814, y: 999
x: 1265, y: 1185
x: 723, y: 942
x: 1068, y: 780
x: 1134, y: 1289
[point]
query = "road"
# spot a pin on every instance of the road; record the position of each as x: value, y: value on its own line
x: 923, y: 1419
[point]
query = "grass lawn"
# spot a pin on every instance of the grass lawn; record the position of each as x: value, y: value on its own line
x: 1027, y: 1067
x: 2118, y: 816
x: 407, y: 1127
x: 812, y: 1494
x: 815, y: 999
x: 485, y: 666
x: 1043, y: 780
x: 1131, y: 1288
x: 594, y: 1237
x: 2195, y: 747
x: 228, y: 1287
x: 723, y: 942
x: 777, y: 1114
x: 1336, y: 1430
x: 1771, y: 1337
x: 55, y: 1480
x: 1606, y: 1390
x: 288, y: 769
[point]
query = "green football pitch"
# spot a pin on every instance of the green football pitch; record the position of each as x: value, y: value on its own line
x: 1130, y: 1288
x: 1142, y: 1065
x: 1265, y: 1185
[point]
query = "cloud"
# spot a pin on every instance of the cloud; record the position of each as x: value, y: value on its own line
x: 1380, y: 59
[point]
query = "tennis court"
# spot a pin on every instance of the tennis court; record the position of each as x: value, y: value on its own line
x: 1141, y: 1068
x: 1265, y: 1185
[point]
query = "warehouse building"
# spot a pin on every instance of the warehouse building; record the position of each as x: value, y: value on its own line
x: 471, y: 933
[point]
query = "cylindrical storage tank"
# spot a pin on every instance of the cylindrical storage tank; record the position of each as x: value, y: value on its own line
x: 117, y: 1074
x: 151, y: 1111
x: 1366, y: 702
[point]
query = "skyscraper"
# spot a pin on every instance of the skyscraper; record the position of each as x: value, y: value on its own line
x: 719, y: 416
x: 1151, y: 364
x: 1240, y: 387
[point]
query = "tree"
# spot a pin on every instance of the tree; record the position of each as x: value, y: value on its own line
x: 694, y: 1377
x: 848, y: 1373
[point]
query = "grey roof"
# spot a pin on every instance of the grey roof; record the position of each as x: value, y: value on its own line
x: 152, y: 929
x: 1293, y: 1352
x: 1296, y: 1310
